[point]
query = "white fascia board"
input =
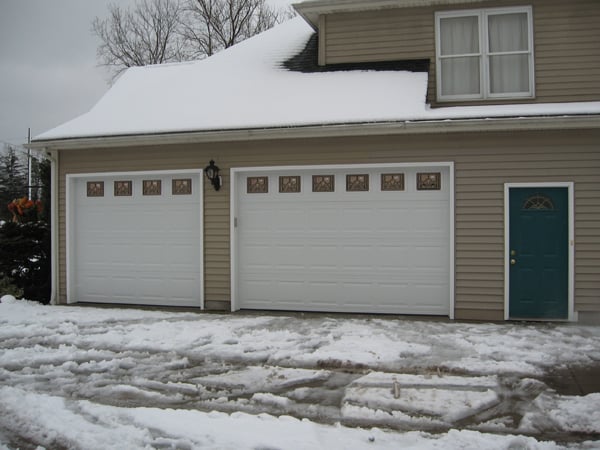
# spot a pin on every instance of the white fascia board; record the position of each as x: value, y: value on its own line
x: 310, y: 10
x: 325, y: 131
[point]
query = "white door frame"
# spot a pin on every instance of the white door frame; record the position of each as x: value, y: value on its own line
x: 69, y: 216
x: 234, y: 207
x: 571, y: 251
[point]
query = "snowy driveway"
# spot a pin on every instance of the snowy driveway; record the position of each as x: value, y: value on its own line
x: 81, y: 377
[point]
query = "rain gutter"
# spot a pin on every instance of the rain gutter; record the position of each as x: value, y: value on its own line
x: 567, y: 122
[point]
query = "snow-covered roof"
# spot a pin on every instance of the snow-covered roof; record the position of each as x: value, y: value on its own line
x: 248, y: 87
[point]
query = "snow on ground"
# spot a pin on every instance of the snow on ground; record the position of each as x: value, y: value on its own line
x: 82, y: 377
x: 82, y: 424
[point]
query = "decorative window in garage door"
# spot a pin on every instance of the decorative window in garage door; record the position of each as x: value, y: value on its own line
x: 323, y: 183
x: 257, y: 185
x: 429, y: 181
x: 181, y: 186
x: 123, y: 188
x: 289, y: 184
x: 152, y: 187
x: 357, y: 183
x: 95, y: 188
x: 392, y: 181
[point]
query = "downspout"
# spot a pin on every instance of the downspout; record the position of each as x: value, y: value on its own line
x: 53, y: 156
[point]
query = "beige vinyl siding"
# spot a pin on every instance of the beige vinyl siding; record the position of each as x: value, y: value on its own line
x: 566, y: 43
x: 379, y: 35
x: 483, y: 163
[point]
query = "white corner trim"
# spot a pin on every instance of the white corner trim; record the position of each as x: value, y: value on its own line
x: 572, y: 316
x: 452, y: 236
x: 69, y: 180
x: 233, y: 238
x: 54, y: 235
x: 234, y: 171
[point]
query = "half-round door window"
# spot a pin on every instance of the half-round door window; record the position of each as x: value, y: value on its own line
x: 538, y: 202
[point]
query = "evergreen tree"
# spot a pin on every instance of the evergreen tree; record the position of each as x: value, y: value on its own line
x: 13, y: 179
x: 43, y: 177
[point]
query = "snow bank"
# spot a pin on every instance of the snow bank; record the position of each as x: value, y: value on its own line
x: 570, y: 413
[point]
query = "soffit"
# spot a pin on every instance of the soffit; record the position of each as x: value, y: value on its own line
x: 310, y: 10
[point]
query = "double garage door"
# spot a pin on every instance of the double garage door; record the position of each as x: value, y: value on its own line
x: 135, y: 238
x: 370, y: 239
x: 355, y: 239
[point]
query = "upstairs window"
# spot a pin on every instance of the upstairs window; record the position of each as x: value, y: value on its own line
x: 484, y: 54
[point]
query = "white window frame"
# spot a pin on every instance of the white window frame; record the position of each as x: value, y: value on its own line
x: 484, y: 54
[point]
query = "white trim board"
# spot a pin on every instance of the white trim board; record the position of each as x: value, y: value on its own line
x: 234, y: 171
x: 582, y: 118
x: 572, y: 316
x: 70, y: 179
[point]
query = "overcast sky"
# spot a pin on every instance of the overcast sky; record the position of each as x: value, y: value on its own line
x: 48, y: 69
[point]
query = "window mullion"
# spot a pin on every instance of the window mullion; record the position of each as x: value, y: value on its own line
x: 515, y: 52
x: 485, y: 49
x: 460, y: 55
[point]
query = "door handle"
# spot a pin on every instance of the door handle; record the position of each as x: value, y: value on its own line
x: 513, y: 262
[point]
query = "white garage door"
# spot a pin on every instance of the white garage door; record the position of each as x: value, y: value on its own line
x: 372, y: 240
x: 135, y: 238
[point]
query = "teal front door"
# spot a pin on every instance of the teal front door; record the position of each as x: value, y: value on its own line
x: 538, y: 253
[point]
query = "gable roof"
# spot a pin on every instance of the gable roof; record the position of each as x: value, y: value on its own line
x: 249, y: 87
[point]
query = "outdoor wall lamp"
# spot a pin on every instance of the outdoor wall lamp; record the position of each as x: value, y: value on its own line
x: 212, y: 173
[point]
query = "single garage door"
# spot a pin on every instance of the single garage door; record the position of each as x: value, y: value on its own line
x: 371, y: 240
x: 135, y: 238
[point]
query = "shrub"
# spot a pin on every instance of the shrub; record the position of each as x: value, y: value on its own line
x: 25, y: 258
x: 8, y: 288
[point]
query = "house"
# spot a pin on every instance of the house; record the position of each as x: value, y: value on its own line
x: 437, y: 157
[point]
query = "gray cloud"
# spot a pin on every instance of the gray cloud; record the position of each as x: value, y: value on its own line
x: 48, y: 71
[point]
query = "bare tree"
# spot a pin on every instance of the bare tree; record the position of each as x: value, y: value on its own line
x: 159, y: 31
x: 148, y: 34
x: 212, y: 25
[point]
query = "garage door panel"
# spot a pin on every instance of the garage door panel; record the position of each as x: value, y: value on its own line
x: 287, y: 219
x: 429, y: 258
x: 358, y: 219
x: 344, y: 251
x: 323, y: 219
